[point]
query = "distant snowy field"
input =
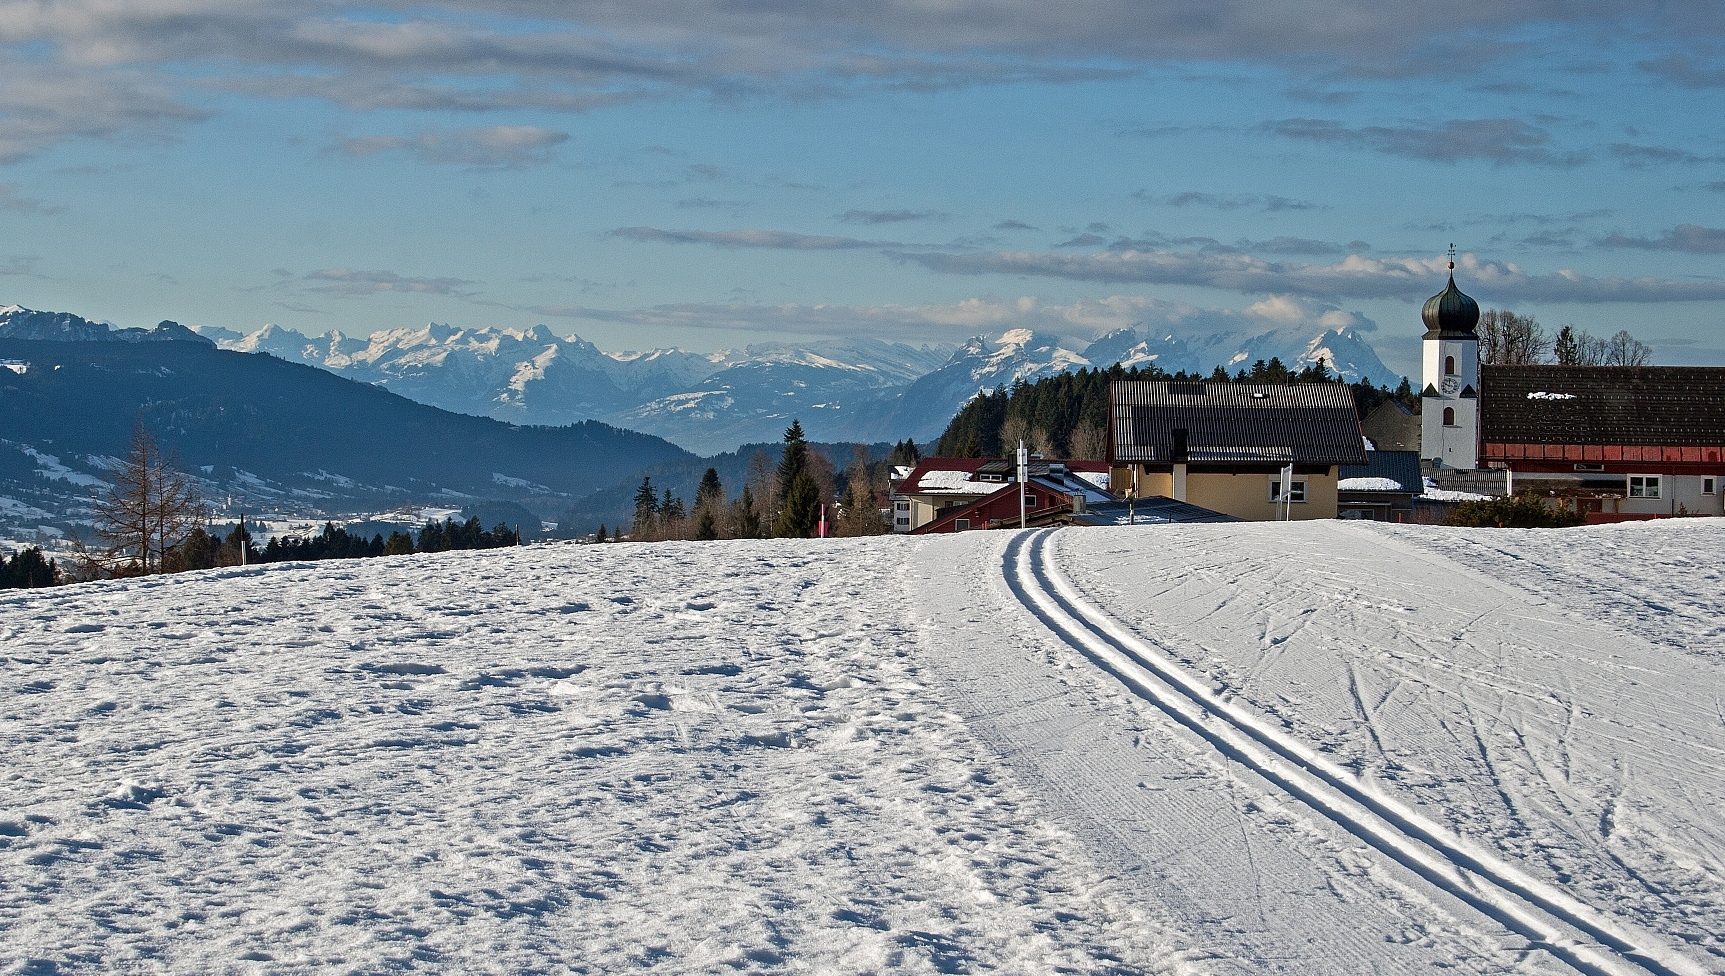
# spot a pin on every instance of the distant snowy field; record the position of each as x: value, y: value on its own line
x: 880, y: 755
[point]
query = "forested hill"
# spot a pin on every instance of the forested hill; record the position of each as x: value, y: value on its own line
x: 257, y: 425
x: 1066, y: 415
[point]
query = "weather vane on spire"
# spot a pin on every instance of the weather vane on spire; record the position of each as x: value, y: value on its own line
x: 1452, y: 257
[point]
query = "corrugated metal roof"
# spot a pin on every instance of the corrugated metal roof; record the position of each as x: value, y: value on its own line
x: 1402, y: 467
x: 1668, y: 406
x: 1303, y: 423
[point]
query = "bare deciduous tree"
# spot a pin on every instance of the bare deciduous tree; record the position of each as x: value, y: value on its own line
x: 1012, y: 430
x: 149, y: 509
x: 1041, y: 443
x: 1574, y: 348
x: 1508, y: 339
x: 1624, y: 349
x: 1089, y: 442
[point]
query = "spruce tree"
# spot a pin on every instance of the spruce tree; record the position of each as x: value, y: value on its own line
x: 707, y: 529
x: 792, y: 462
x: 802, y: 510
x: 1566, y: 350
x: 646, y: 506
x: 711, y: 489
x: 601, y: 536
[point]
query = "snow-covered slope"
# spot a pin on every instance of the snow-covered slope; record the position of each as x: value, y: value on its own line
x: 672, y: 758
x: 891, y: 755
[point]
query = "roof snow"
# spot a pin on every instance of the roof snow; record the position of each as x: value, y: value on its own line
x: 1369, y: 484
x: 957, y: 481
x: 1445, y: 495
x: 1542, y: 395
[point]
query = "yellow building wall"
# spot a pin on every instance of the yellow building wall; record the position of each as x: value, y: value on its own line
x: 1120, y: 479
x: 1245, y: 496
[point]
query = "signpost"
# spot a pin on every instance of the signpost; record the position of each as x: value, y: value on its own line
x: 1023, y: 473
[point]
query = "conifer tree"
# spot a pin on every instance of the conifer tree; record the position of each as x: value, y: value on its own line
x: 646, y: 507
x: 28, y: 569
x: 802, y: 511
x: 707, y: 527
x: 710, y: 490
x: 799, y: 500
x: 905, y: 452
x: 398, y: 544
x: 600, y: 537
x: 792, y: 462
x: 430, y: 538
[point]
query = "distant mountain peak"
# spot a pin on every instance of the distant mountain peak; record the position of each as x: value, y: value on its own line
x: 17, y: 322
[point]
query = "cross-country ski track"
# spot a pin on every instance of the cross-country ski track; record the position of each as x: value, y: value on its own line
x: 1545, y: 915
x: 1306, y: 749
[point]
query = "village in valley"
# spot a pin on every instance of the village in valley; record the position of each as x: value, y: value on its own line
x: 1597, y: 443
x: 882, y: 488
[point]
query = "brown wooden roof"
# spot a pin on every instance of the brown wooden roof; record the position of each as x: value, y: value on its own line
x: 1674, y: 406
x: 1247, y: 423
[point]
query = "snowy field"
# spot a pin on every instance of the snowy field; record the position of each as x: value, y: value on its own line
x: 1306, y: 748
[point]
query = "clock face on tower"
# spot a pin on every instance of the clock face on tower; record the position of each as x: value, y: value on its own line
x: 1450, y: 385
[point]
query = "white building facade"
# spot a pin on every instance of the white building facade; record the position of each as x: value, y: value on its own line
x: 1449, y: 407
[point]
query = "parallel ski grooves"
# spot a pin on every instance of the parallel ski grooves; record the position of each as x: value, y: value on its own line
x: 1522, y: 904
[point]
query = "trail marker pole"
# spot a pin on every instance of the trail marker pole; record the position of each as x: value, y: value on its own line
x: 1023, y: 472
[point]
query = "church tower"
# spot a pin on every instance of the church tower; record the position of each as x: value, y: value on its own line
x: 1449, y: 400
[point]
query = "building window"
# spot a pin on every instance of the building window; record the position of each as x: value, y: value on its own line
x: 1708, y: 486
x: 1449, y: 416
x: 903, y: 506
x: 961, y: 525
x: 1029, y: 500
x: 1643, y: 486
x: 1449, y: 365
x: 904, y: 520
x: 1296, y: 490
x: 993, y: 477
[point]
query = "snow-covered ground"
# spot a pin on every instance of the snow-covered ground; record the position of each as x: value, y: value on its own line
x: 1298, y: 747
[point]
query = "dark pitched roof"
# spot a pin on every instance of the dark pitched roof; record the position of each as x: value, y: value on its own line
x: 1303, y: 423
x: 1670, y: 406
x: 1401, y: 467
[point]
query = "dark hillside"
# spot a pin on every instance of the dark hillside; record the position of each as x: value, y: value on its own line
x: 239, y: 419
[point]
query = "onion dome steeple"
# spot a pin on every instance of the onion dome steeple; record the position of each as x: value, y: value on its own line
x: 1449, y: 314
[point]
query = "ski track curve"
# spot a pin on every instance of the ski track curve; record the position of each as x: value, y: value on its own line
x: 1547, y: 917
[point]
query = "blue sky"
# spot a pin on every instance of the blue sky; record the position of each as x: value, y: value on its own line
x: 710, y: 174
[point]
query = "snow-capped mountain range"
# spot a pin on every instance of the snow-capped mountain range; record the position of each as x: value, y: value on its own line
x: 845, y: 389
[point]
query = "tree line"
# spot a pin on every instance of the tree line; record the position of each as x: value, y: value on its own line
x: 28, y: 569
x: 1066, y: 415
x: 1509, y: 339
x: 786, y: 501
